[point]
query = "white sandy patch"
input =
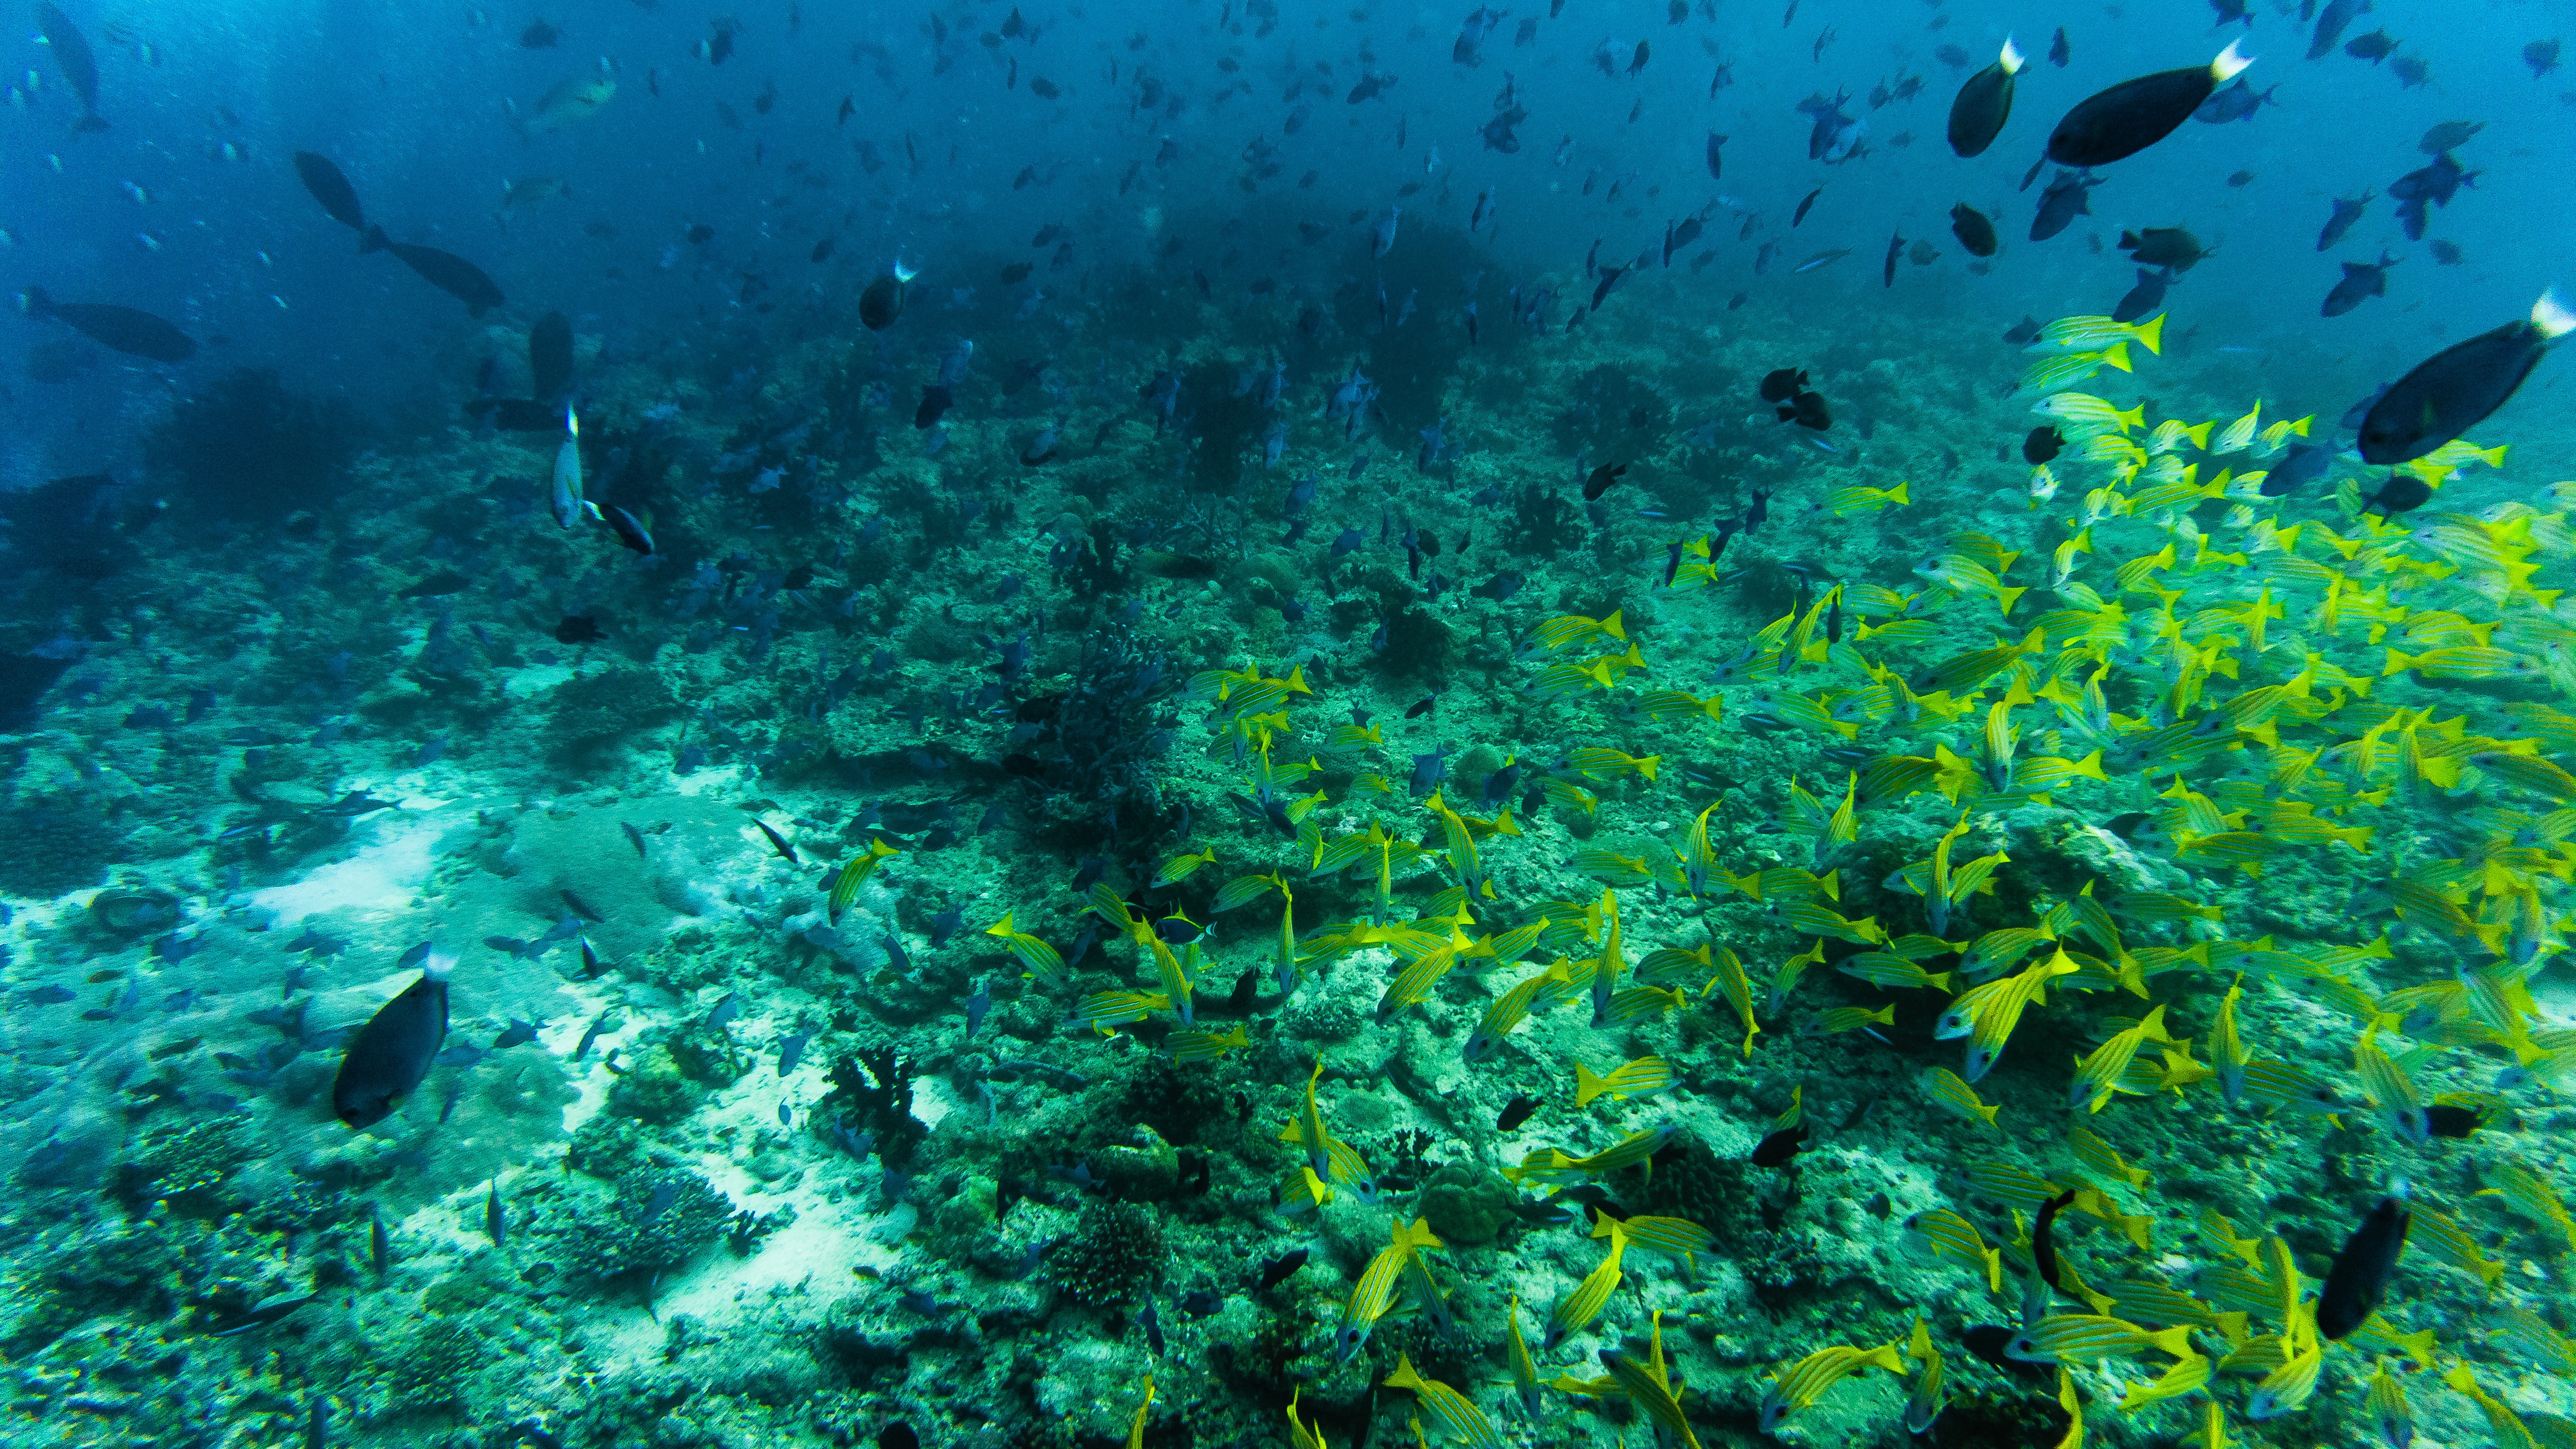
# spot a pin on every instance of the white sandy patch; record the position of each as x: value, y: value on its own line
x: 380, y: 881
x: 536, y: 679
x: 819, y: 1250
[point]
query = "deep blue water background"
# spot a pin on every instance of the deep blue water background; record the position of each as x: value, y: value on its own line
x: 414, y: 101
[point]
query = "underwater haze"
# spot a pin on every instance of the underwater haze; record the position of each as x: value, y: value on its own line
x: 1036, y: 725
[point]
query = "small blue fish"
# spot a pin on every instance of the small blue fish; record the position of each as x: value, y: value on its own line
x: 977, y: 1004
x: 791, y: 1051
x: 1427, y: 770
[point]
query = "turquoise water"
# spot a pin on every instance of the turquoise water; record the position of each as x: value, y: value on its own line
x: 693, y: 763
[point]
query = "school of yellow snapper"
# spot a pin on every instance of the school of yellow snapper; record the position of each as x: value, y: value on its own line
x: 2257, y: 749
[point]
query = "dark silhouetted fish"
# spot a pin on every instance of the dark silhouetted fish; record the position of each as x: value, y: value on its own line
x: 2067, y: 197
x: 2541, y: 56
x: 71, y: 52
x: 1280, y: 1269
x: 2448, y: 135
x: 2042, y: 445
x: 1779, y: 1148
x: 2361, y: 281
x: 390, y: 1055
x: 2239, y: 102
x: 2163, y: 246
x: 629, y: 529
x: 1974, y: 230
x: 1781, y: 384
x: 2024, y: 332
x: 124, y: 329
x: 882, y: 302
x: 331, y: 188
x: 2459, y: 387
x: 2300, y: 466
x: 2118, y: 123
x: 2331, y: 20
x: 2402, y: 493
x: 2345, y: 214
x: 1807, y: 410
x: 2360, y: 1272
x: 2444, y: 1120
x: 1984, y: 103
x: 446, y: 271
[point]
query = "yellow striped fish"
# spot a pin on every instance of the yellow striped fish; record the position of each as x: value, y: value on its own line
x: 1376, y: 1290
x: 1510, y: 1009
x: 1650, y: 1388
x: 1801, y: 1384
x: 1455, y: 1413
x: 1633, y: 1079
x: 845, y: 888
x: 1945, y: 1087
x: 2089, y: 1338
x: 1951, y: 1236
x: 1674, y: 1237
x: 1208, y: 1046
x: 1584, y: 1302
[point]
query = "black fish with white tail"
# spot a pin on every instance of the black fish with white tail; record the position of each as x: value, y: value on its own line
x: 1984, y: 103
x: 2460, y: 386
x: 2118, y: 123
x: 882, y: 303
x: 393, y: 1052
